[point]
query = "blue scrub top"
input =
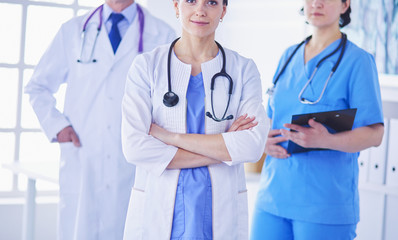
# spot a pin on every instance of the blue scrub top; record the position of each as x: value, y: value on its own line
x: 319, y: 186
x: 193, y: 205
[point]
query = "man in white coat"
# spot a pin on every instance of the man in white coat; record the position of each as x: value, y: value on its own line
x: 95, y: 179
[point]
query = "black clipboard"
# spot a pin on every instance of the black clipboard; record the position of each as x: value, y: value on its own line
x: 334, y: 121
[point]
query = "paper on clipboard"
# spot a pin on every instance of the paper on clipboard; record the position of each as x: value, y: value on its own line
x: 334, y: 121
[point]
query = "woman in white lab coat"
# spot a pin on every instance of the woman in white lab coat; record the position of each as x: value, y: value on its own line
x: 95, y: 179
x: 168, y: 201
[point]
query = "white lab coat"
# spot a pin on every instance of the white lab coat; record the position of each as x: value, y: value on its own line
x: 95, y: 179
x: 152, y: 200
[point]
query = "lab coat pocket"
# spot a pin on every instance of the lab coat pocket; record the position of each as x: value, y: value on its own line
x: 69, y: 169
x: 134, y: 228
x: 243, y: 225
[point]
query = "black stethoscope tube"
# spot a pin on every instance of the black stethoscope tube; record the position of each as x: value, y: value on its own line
x: 341, y: 46
x: 170, y: 99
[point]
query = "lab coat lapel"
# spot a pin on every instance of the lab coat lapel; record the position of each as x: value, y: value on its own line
x: 104, y: 47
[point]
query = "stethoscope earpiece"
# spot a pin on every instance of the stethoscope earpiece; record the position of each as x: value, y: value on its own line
x: 170, y: 99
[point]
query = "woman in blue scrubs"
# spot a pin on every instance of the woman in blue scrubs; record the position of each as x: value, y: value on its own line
x: 314, y: 194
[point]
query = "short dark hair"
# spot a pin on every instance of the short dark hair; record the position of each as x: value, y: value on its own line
x: 345, y: 18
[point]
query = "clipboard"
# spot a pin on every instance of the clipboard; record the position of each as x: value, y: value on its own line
x: 334, y: 121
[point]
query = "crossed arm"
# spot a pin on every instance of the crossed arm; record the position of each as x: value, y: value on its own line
x: 198, y: 150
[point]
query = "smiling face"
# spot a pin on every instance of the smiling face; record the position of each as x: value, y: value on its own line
x: 200, y: 18
x: 324, y: 13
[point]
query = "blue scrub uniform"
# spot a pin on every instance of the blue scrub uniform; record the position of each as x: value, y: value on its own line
x: 319, y: 187
x: 193, y: 205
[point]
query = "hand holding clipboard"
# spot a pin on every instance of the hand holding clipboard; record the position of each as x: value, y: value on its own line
x: 334, y: 121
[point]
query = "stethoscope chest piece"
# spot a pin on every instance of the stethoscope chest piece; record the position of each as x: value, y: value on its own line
x: 170, y: 99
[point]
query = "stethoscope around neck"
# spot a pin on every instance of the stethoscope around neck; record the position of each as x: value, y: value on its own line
x: 170, y: 99
x: 341, y: 46
x: 100, y: 10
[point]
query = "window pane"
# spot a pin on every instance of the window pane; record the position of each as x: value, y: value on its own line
x: 35, y: 147
x: 8, y: 97
x: 10, y: 25
x: 7, y: 143
x: 55, y: 1
x: 90, y: 3
x: 42, y: 25
x: 29, y: 119
x: 5, y: 180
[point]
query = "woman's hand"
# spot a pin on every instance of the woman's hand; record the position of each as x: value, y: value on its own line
x: 314, y: 136
x: 243, y: 123
x: 272, y: 147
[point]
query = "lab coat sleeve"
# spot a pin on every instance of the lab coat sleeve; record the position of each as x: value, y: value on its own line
x: 248, y: 145
x: 139, y: 147
x: 49, y: 74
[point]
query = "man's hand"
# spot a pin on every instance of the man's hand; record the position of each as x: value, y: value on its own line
x: 68, y: 134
